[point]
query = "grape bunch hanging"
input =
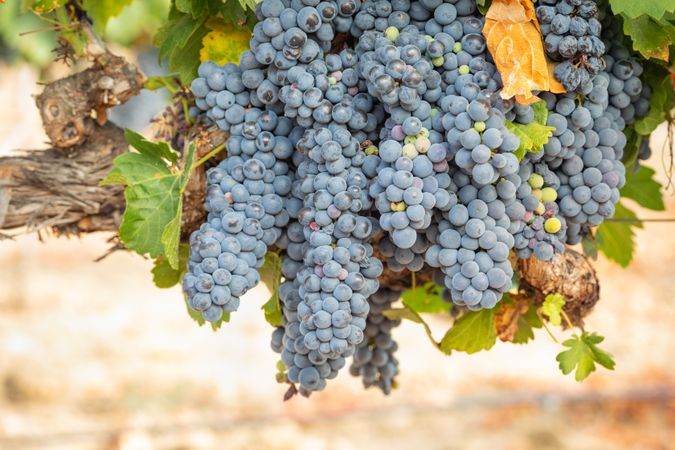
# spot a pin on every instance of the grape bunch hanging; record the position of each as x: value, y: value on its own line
x: 372, y: 135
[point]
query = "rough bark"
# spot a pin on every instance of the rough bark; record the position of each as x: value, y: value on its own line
x: 72, y: 106
x: 570, y: 274
x: 57, y: 189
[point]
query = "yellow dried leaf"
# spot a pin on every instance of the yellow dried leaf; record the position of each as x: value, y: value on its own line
x: 513, y: 38
x: 224, y: 45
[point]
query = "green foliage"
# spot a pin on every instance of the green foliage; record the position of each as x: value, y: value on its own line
x: 535, y: 134
x: 644, y: 189
x: 649, y: 24
x: 35, y: 48
x: 526, y: 325
x: 270, y: 274
x: 483, y: 5
x: 661, y: 102
x: 552, y: 308
x: 101, y: 11
x: 651, y: 38
x: 634, y: 9
x: 180, y: 40
x: 46, y: 6
x: 154, y: 196
x: 138, y: 22
x: 582, y: 355
x: 615, y: 236
x: 166, y: 276
x: 472, y: 332
x: 425, y: 299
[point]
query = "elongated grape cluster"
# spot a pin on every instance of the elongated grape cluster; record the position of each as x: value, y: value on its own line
x: 375, y: 359
x: 353, y: 122
x: 571, y: 31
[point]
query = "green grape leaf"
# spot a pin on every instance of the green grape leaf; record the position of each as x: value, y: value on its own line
x: 526, y: 324
x: 661, y: 101
x: 483, y: 6
x: 650, y: 38
x: 634, y: 9
x: 540, y: 112
x: 644, y: 189
x: 270, y: 274
x: 154, y: 197
x: 224, y: 46
x: 425, y: 299
x: 552, y: 307
x: 179, y: 42
x: 615, y: 236
x: 40, y: 7
x: 582, y: 356
x: 155, y: 150
x: 590, y: 246
x: 533, y: 137
x: 101, y: 11
x: 472, y: 332
x: 166, y: 276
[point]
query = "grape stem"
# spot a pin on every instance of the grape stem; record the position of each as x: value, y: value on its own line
x: 209, y: 155
x: 548, y: 330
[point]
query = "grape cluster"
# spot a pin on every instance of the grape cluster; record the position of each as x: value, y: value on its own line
x: 245, y: 203
x: 374, y: 360
x: 354, y: 121
x: 571, y: 31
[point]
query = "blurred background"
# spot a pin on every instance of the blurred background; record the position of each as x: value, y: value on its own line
x: 94, y: 356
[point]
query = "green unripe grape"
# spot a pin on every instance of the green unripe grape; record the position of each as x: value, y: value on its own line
x: 479, y: 126
x: 433, y: 112
x: 423, y: 132
x: 464, y: 69
x: 548, y: 194
x: 428, y: 38
x: 391, y: 33
x: 438, y: 61
x: 371, y: 150
x: 457, y: 47
x: 536, y: 181
x: 552, y: 225
x: 332, y: 80
x: 409, y: 139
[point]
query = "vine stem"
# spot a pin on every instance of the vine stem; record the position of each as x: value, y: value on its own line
x: 209, y: 155
x: 548, y: 330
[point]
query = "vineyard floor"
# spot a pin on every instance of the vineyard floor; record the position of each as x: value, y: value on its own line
x: 93, y: 356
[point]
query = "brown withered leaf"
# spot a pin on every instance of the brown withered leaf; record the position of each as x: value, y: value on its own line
x: 513, y: 38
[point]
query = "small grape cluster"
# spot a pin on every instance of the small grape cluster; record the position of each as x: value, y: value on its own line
x: 375, y: 358
x: 571, y: 31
